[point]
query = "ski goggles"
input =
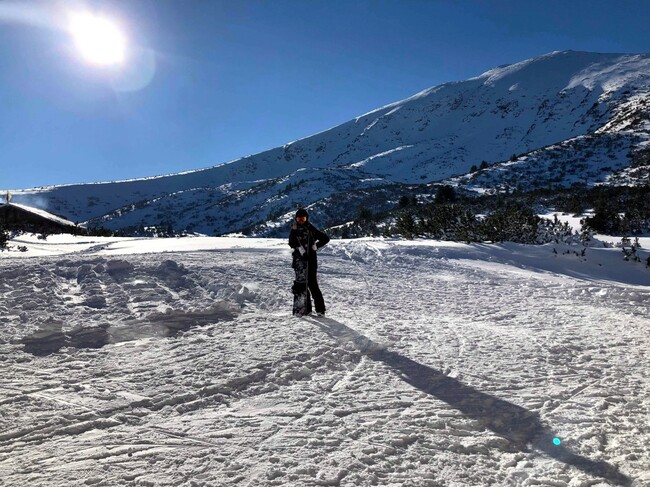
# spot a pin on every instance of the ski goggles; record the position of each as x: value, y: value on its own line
x: 301, y: 219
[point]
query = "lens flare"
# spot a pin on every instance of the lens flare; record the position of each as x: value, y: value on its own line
x: 557, y: 441
x: 98, y: 39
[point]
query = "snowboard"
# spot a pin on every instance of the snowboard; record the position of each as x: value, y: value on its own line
x: 301, y: 298
x: 300, y: 288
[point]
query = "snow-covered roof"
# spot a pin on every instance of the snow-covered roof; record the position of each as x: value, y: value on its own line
x: 42, y: 214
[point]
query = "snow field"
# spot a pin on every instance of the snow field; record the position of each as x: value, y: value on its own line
x: 439, y: 364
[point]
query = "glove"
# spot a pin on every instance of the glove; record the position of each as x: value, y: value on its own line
x: 315, y: 247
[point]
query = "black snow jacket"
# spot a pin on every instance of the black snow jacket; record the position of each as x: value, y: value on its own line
x: 305, y: 236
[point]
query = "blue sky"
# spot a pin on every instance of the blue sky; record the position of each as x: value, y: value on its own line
x: 220, y: 80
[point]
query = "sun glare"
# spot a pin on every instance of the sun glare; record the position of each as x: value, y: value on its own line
x: 98, y: 39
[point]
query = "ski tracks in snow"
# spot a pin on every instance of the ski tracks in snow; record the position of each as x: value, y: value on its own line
x: 186, y: 369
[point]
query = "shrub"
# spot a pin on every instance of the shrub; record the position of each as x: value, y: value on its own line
x: 364, y: 214
x: 629, y: 249
x: 449, y: 222
x: 4, y: 238
x: 445, y: 194
x: 404, y: 201
x: 512, y: 223
x: 605, y: 220
x: 405, y: 225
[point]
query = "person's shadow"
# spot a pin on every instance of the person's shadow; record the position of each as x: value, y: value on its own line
x: 522, y: 428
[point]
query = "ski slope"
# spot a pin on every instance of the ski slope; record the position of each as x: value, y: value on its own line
x: 175, y: 362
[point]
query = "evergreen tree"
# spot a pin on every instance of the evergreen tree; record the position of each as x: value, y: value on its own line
x: 605, y: 220
x: 404, y: 201
x: 512, y: 223
x: 445, y: 194
x: 364, y: 214
x: 405, y: 225
x: 4, y: 238
x: 449, y: 222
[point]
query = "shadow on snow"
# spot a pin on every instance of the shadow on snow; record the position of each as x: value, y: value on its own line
x: 522, y: 428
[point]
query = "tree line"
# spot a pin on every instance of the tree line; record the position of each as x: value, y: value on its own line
x: 623, y: 211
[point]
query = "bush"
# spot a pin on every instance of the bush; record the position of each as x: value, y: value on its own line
x: 445, y: 194
x: 449, y: 222
x: 364, y: 214
x: 405, y: 225
x: 4, y: 238
x: 404, y: 201
x: 605, y: 220
x: 629, y: 249
x: 512, y: 223
x: 555, y: 231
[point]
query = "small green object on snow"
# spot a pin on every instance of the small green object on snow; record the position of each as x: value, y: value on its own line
x: 557, y: 441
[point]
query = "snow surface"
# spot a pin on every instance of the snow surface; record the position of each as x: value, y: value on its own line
x: 175, y: 362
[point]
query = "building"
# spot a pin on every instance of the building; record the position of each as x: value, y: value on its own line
x: 26, y: 218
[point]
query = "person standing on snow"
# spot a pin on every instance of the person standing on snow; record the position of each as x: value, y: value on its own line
x: 305, y: 240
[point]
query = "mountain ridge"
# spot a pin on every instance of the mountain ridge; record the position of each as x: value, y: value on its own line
x: 436, y: 135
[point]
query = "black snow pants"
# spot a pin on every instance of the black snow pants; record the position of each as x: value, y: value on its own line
x: 319, y: 302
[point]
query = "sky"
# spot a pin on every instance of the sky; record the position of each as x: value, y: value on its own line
x: 204, y: 82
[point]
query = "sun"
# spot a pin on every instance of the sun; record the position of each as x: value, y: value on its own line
x: 99, y: 40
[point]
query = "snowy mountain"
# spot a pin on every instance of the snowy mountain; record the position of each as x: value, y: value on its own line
x: 559, y: 119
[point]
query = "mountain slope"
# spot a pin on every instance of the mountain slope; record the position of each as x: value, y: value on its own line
x: 435, y: 135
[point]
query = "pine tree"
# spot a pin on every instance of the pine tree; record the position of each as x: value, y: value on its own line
x: 405, y: 225
x: 511, y: 223
x: 404, y: 201
x: 605, y: 220
x: 445, y: 194
x: 4, y: 238
x: 364, y: 214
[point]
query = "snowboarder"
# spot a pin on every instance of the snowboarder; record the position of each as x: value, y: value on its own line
x: 305, y: 240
